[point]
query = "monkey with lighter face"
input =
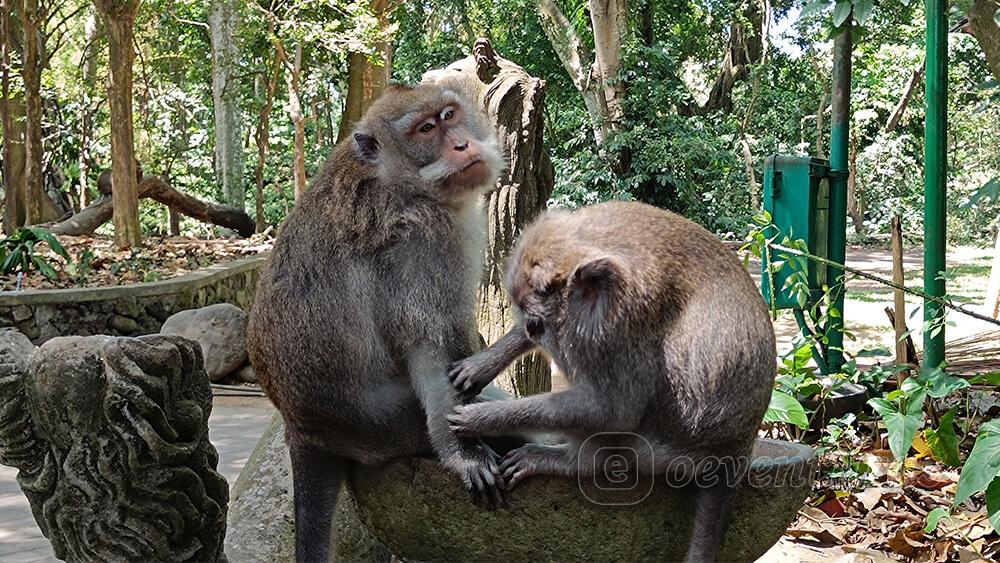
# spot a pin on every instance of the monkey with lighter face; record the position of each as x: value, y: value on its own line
x: 369, y: 295
x: 664, y: 340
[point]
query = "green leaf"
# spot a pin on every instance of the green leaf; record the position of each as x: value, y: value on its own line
x: 863, y: 10
x: 983, y: 464
x: 943, y: 441
x: 939, y: 384
x: 990, y: 190
x: 841, y: 12
x: 902, y: 427
x: 991, y: 378
x: 51, y: 240
x: 933, y: 517
x: 44, y: 267
x: 993, y: 503
x: 996, y: 16
x: 784, y: 408
x: 813, y: 8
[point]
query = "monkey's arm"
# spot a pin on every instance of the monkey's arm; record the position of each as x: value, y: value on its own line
x: 579, y: 409
x: 472, y: 374
x: 474, y: 464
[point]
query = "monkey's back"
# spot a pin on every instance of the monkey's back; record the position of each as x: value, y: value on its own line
x: 710, y: 342
x: 341, y: 300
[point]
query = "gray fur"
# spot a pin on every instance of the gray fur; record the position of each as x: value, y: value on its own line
x: 662, y: 335
x: 366, y: 299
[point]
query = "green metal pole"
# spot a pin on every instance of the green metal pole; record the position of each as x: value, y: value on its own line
x: 935, y: 174
x: 840, y: 133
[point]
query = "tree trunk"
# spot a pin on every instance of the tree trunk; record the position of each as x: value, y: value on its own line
x: 86, y: 221
x: 514, y: 101
x: 577, y: 61
x: 223, y: 21
x: 12, y: 116
x: 295, y: 111
x: 119, y: 19
x: 745, y: 48
x: 610, y: 22
x: 263, y: 140
x: 984, y: 27
x: 366, y: 80
x: 991, y: 304
x: 89, y: 63
x: 39, y: 208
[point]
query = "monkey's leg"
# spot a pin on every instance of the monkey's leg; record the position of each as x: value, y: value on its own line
x: 579, y: 409
x: 472, y: 374
x: 469, y: 459
x: 712, y: 509
x: 316, y: 480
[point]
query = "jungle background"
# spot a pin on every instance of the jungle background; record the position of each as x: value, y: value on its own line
x: 676, y: 103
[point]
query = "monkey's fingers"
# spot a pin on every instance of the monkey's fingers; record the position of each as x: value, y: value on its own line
x: 484, y: 488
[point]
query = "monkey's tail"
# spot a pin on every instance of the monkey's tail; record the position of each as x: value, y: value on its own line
x: 317, y: 477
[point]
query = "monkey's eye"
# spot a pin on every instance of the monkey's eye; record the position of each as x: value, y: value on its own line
x: 427, y: 127
x: 448, y: 114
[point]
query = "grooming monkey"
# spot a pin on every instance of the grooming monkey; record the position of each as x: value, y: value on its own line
x: 662, y: 335
x: 369, y: 296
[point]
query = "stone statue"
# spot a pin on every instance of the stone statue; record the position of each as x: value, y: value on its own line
x: 111, y: 439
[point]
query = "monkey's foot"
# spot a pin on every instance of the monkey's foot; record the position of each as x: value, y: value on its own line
x: 476, y: 465
x: 534, y: 459
x: 471, y: 375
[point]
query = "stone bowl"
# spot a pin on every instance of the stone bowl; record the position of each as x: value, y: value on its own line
x: 421, y: 513
x: 848, y: 398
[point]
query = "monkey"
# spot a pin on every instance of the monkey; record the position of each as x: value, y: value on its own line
x: 664, y: 340
x: 369, y: 295
x: 104, y: 179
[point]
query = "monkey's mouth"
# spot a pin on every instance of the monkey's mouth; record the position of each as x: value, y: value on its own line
x: 473, y: 174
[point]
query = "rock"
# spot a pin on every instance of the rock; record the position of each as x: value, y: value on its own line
x: 246, y: 374
x: 110, y: 439
x: 22, y: 312
x: 422, y: 513
x: 220, y: 330
x: 261, y: 527
x: 123, y: 325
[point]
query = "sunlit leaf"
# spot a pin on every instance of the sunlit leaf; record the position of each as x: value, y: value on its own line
x: 983, y: 464
x: 785, y: 408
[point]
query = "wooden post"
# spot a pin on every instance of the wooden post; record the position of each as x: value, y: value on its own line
x: 899, y: 301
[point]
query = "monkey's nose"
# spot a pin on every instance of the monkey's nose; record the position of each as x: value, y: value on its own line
x: 535, y: 327
x: 462, y: 146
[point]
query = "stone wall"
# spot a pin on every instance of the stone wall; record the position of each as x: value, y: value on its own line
x: 127, y: 310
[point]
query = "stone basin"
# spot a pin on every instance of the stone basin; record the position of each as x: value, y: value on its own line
x: 421, y: 513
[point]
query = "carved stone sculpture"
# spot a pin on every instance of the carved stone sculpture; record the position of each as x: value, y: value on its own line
x: 111, y: 439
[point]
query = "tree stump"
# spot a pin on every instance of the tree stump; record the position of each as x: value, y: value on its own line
x: 513, y: 100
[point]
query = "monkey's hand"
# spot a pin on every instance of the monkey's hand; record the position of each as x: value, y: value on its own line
x: 476, y: 465
x: 532, y: 459
x: 468, y: 421
x: 470, y: 375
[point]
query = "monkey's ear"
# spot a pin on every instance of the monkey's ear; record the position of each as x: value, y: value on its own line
x: 594, y: 287
x: 366, y: 146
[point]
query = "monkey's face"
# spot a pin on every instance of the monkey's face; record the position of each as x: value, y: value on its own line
x: 436, y: 134
x: 563, y: 289
x: 537, y: 288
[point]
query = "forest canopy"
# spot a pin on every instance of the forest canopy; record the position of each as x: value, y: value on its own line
x: 675, y: 103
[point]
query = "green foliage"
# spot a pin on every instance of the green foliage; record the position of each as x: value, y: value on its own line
x: 903, y: 415
x: 943, y: 441
x: 18, y: 253
x: 785, y: 408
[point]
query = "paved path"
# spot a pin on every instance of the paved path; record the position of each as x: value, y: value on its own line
x: 234, y: 427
